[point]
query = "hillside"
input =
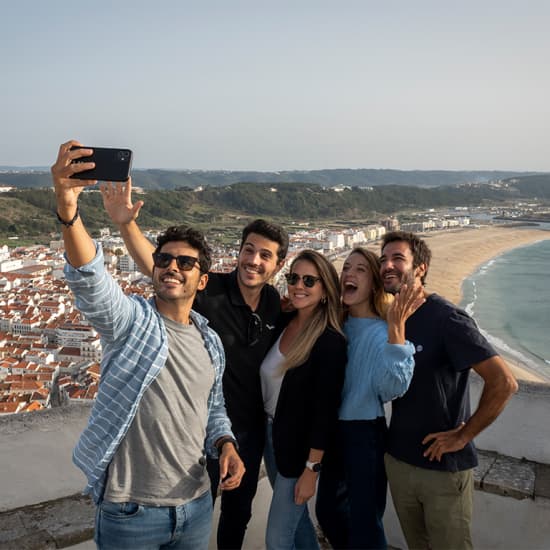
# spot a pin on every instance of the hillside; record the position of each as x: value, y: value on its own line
x: 30, y: 212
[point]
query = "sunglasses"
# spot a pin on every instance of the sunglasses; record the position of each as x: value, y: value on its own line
x: 255, y: 330
x: 308, y: 280
x: 164, y: 259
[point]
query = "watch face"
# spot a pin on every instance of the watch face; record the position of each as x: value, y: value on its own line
x: 314, y: 466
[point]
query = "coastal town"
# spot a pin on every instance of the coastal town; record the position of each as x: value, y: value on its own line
x: 50, y: 355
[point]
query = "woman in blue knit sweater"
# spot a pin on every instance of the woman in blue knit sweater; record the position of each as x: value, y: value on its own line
x: 379, y: 369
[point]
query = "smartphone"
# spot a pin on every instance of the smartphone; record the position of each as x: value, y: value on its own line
x: 110, y: 164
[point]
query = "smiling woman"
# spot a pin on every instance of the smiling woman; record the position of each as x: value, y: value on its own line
x: 302, y: 377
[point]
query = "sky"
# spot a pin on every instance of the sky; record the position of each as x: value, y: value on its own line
x: 286, y: 85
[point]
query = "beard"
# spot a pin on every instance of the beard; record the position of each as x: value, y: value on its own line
x: 393, y: 286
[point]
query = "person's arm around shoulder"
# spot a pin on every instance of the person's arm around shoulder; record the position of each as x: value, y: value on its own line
x: 79, y: 246
x: 117, y: 200
x: 499, y: 386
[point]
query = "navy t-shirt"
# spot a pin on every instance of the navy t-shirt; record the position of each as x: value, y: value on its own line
x: 447, y: 343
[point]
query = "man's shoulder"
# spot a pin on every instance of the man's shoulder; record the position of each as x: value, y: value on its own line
x: 270, y: 293
x: 218, y: 289
x: 438, y: 308
x: 219, y: 281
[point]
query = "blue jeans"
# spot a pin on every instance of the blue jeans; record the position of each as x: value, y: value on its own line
x: 128, y: 525
x: 288, y: 525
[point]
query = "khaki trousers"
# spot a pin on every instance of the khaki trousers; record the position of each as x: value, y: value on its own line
x: 434, y: 507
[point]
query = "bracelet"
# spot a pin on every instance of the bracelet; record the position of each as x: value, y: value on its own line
x: 226, y: 439
x: 70, y: 223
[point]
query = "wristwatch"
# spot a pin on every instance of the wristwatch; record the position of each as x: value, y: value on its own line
x: 313, y: 466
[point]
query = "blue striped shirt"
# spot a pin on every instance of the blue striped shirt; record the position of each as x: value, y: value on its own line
x: 135, y: 348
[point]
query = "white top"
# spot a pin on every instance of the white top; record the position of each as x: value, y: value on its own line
x: 271, y: 377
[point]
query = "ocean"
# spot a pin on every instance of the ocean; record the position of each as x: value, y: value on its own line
x: 509, y: 297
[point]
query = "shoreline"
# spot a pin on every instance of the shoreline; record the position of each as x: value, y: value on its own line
x: 458, y: 253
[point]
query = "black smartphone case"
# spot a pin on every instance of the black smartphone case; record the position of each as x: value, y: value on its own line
x: 110, y: 164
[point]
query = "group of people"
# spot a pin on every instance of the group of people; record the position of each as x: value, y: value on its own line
x: 209, y: 376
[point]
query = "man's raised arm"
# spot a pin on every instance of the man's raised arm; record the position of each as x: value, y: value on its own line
x: 79, y: 247
x: 117, y: 200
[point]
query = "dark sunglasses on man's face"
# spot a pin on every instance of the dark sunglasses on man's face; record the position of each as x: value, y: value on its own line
x: 164, y: 259
x: 308, y: 280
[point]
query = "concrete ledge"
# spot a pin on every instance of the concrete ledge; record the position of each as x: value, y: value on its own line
x: 511, y: 477
x: 542, y: 481
x: 53, y: 524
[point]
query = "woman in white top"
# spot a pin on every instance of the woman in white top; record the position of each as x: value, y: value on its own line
x: 302, y: 378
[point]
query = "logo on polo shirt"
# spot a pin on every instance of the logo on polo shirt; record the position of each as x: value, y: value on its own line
x: 270, y: 327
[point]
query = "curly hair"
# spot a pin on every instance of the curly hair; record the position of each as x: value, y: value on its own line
x: 193, y: 237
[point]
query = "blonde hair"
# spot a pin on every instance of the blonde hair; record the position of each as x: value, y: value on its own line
x: 380, y: 300
x: 328, y: 312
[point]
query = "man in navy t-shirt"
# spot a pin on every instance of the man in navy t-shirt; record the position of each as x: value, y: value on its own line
x: 430, y: 455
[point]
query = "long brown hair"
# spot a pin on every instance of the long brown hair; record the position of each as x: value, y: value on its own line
x: 379, y: 298
x: 328, y: 313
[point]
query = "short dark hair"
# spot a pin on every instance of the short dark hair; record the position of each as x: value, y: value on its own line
x: 193, y: 237
x: 420, y: 250
x: 272, y: 231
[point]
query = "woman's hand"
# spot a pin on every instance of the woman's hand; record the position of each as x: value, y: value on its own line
x: 305, y: 487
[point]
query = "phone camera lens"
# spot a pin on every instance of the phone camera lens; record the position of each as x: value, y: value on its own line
x: 123, y: 155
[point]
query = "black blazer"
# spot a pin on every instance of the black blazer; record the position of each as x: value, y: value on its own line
x: 307, y: 408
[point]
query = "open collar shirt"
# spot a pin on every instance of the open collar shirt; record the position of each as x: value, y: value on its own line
x: 135, y: 349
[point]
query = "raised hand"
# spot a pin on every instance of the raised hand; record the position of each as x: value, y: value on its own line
x: 117, y: 199
x: 67, y: 190
x: 409, y: 298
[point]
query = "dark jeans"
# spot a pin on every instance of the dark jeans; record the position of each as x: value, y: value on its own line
x: 236, y: 505
x: 352, y: 487
x: 332, y: 504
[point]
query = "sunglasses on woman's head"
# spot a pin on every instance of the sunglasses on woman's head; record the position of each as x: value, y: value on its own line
x: 164, y: 259
x: 308, y: 280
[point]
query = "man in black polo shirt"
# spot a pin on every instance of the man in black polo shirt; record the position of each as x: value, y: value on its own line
x: 242, y: 308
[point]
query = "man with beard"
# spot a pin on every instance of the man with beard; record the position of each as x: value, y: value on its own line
x: 430, y: 454
x: 160, y: 403
x: 243, y: 309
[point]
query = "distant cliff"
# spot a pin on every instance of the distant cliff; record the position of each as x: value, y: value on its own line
x: 363, y: 177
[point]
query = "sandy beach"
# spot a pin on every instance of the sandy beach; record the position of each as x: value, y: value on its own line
x: 456, y: 254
